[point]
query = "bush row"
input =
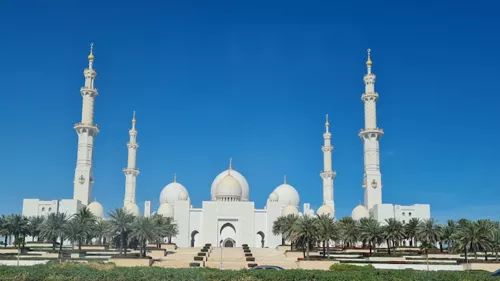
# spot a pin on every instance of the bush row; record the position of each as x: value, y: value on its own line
x: 82, y: 272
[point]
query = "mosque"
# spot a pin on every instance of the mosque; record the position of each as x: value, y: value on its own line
x: 229, y: 219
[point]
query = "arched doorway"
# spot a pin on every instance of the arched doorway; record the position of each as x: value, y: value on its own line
x: 260, y: 239
x: 227, y: 235
x: 228, y: 243
x: 194, y: 236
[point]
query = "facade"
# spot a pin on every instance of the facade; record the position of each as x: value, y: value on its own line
x: 229, y: 219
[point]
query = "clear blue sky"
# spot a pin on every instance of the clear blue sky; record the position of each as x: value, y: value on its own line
x: 253, y: 80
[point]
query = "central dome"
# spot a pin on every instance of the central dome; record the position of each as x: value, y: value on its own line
x: 228, y: 189
x: 287, y: 195
x: 239, y: 177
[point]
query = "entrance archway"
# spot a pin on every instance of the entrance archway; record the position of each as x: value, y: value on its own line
x: 228, y: 243
x: 227, y: 235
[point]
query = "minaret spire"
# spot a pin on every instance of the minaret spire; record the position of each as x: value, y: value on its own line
x: 284, y: 179
x: 87, y: 131
x: 370, y: 136
x: 131, y: 172
x: 328, y: 175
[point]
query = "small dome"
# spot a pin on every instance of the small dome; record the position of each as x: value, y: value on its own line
x: 171, y: 192
x: 228, y: 189
x: 183, y: 195
x: 96, y: 209
x: 132, y: 208
x: 274, y: 197
x: 360, y: 212
x: 166, y: 210
x: 325, y: 210
x: 290, y: 210
x: 287, y: 195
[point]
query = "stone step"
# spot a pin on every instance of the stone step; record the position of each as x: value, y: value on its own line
x: 227, y: 265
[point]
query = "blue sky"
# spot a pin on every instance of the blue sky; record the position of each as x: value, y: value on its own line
x: 252, y: 80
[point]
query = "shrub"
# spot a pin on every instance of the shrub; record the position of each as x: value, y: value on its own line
x: 250, y: 259
x: 204, y: 250
x: 247, y: 251
x: 252, y: 265
x: 202, y: 254
x: 194, y: 264
x: 248, y: 254
x: 199, y: 258
x: 350, y: 267
x: 244, y: 245
x: 208, y: 245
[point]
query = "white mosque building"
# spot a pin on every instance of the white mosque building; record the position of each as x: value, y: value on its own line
x: 229, y: 219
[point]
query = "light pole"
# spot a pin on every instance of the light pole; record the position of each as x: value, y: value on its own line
x: 220, y: 266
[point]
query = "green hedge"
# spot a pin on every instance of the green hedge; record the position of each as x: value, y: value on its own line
x: 82, y: 272
x: 350, y: 267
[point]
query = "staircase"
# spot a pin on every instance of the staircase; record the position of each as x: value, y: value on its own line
x: 179, y: 258
x: 232, y: 258
x: 271, y: 256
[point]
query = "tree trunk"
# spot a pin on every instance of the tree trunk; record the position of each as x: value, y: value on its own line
x: 441, y: 246
x: 123, y: 244
x: 486, y: 255
x: 282, y: 241
x: 328, y: 248
x: 170, y: 240
x: 60, y: 247
x: 388, y: 246
x: 324, y: 248
x: 304, y: 252
x: 307, y: 245
x: 496, y: 255
x: 466, y: 257
x: 411, y: 242
x: 427, y: 259
x: 5, y: 241
x: 370, y: 245
x: 79, y: 244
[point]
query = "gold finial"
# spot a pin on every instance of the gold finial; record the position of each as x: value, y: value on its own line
x: 133, y: 119
x: 369, y: 61
x: 327, y: 123
x: 91, y: 55
x: 284, y: 179
x: 175, y: 177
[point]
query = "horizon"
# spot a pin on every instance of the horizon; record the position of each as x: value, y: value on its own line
x: 254, y: 83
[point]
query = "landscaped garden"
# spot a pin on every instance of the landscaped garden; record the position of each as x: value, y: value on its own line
x: 108, y: 272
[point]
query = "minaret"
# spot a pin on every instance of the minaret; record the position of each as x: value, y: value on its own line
x: 327, y: 174
x: 131, y: 171
x: 370, y: 135
x: 86, y: 130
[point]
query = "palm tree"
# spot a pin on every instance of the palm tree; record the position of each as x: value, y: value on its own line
x: 393, y: 231
x: 495, y: 240
x: 142, y: 229
x: 486, y: 228
x: 426, y: 246
x: 280, y: 227
x: 54, y: 226
x: 17, y: 225
x: 447, y: 234
x: 371, y: 231
x: 34, y: 226
x: 75, y: 231
x: 100, y: 231
x: 84, y: 223
x: 327, y: 231
x: 304, y: 232
x: 172, y: 228
x: 120, y: 223
x: 4, y: 231
x: 411, y: 231
x: 348, y: 230
x: 471, y: 236
x: 429, y: 233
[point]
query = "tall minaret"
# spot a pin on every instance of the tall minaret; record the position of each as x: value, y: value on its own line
x: 86, y: 131
x: 370, y: 135
x: 131, y: 171
x: 328, y: 175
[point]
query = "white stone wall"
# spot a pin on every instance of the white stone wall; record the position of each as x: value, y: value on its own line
x: 260, y: 222
x: 195, y: 227
x: 273, y: 212
x: 36, y: 207
x: 239, y: 214
x: 402, y: 213
x: 182, y: 217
